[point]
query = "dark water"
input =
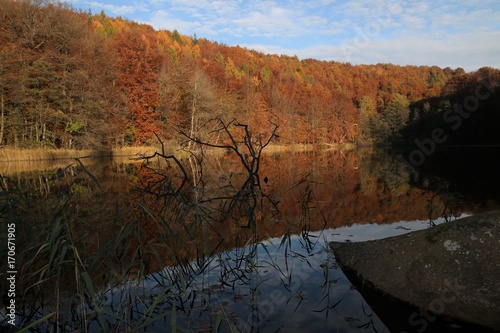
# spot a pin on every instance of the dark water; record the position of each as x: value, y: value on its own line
x: 197, y: 248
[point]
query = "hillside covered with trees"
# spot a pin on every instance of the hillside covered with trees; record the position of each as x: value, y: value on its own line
x: 73, y: 79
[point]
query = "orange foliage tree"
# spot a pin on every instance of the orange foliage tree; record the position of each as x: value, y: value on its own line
x: 138, y: 66
x: 86, y: 80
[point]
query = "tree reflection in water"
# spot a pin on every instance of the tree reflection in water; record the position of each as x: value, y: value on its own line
x: 191, y: 243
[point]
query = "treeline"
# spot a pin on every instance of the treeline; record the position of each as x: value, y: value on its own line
x: 467, y: 112
x: 75, y: 79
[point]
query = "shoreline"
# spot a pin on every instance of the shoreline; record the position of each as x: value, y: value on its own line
x: 14, y: 155
x: 44, y: 155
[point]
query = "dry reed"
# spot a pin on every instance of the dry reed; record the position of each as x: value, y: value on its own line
x: 30, y: 155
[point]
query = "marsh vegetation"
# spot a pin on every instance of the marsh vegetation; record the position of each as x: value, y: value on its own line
x: 221, y: 238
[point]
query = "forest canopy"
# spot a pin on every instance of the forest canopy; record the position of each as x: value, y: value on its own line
x: 76, y: 79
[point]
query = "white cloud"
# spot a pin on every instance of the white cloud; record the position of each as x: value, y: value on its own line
x: 274, y: 22
x: 415, y: 22
x: 455, y: 33
x: 469, y: 51
x: 224, y: 8
x: 163, y: 19
x: 111, y: 9
x: 418, y: 8
x: 313, y: 21
x: 275, y: 49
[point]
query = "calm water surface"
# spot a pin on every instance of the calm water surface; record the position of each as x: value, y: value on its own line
x: 204, y: 253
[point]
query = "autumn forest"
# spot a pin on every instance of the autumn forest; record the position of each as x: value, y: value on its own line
x: 75, y: 79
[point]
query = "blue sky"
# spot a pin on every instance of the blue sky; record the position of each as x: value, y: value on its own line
x: 451, y: 33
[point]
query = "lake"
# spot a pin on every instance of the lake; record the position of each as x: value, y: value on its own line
x: 199, y: 244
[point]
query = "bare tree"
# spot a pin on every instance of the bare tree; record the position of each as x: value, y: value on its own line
x: 202, y: 100
x: 249, y: 151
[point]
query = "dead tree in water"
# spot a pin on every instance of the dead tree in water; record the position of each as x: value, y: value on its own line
x: 249, y: 151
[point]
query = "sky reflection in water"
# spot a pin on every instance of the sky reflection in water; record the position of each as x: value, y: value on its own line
x: 280, y: 284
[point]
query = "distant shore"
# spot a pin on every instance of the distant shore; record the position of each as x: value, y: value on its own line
x: 8, y: 154
x: 48, y: 154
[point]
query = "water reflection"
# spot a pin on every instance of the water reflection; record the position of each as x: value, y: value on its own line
x: 271, y: 286
x: 201, y: 247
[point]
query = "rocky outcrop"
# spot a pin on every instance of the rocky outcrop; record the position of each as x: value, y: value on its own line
x: 452, y: 269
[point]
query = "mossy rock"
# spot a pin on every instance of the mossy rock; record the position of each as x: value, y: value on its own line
x: 452, y: 269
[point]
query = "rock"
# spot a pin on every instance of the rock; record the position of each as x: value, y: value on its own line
x: 452, y: 269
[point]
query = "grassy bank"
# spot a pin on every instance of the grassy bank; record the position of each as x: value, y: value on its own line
x: 29, y: 155
x: 40, y: 154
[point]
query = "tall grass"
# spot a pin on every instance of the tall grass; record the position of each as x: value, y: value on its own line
x: 65, y: 277
x: 160, y: 269
x: 165, y: 265
x: 30, y: 155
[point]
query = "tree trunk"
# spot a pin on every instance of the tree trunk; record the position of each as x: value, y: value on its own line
x: 191, y: 132
x: 193, y: 111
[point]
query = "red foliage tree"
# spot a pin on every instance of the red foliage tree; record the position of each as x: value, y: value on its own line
x: 138, y: 66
